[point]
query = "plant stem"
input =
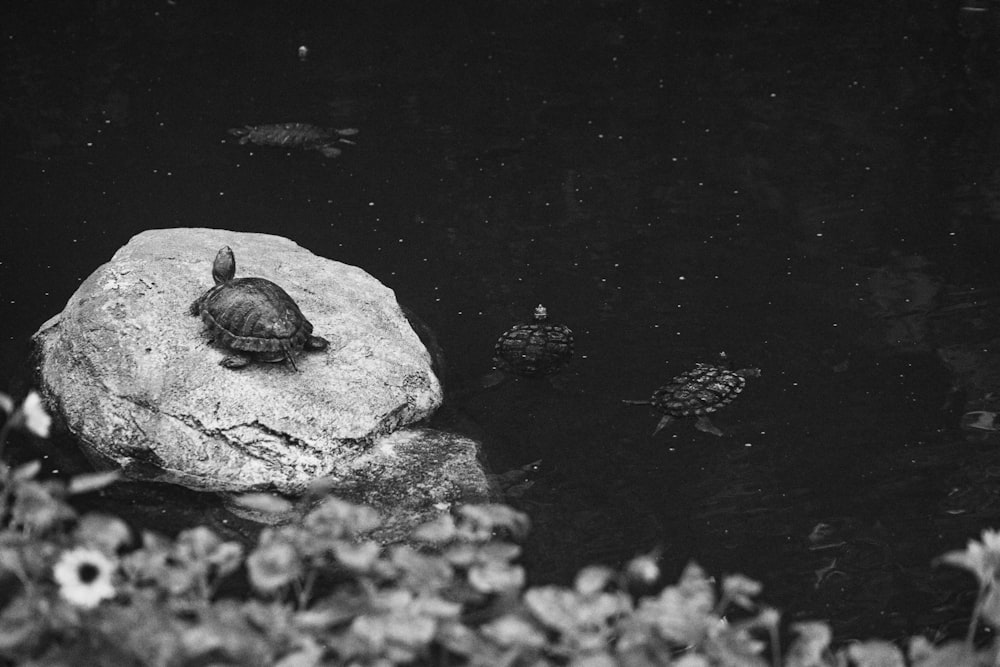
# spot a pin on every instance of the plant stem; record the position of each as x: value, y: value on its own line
x: 974, y: 622
x: 5, y: 430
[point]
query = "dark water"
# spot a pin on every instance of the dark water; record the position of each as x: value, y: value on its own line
x: 805, y: 186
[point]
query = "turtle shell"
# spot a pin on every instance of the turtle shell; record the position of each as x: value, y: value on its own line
x: 254, y: 315
x: 701, y: 390
x: 534, y: 349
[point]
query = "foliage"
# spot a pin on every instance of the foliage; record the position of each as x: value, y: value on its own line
x: 86, y: 590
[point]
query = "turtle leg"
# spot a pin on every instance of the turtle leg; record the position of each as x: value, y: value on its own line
x: 290, y: 356
x: 315, y: 343
x: 236, y: 360
x: 663, y: 422
x: 705, y: 425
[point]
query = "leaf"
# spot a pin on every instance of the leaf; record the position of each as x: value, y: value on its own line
x: 494, y: 577
x: 740, y: 590
x: 22, y: 627
x: 357, y: 556
x: 411, y: 630
x: 36, y: 508
x: 335, y: 518
x: 694, y: 585
x: 511, y: 630
x: 599, y: 659
x: 592, y: 579
x: 227, y: 558
x: 437, y: 607
x: 461, y: 554
x: 195, y: 544
x: 308, y: 654
x: 479, y: 521
x: 643, y: 569
x: 811, y: 642
x: 734, y: 646
x: 503, y: 552
x: 267, y: 503
x: 876, y: 653
x: 556, y: 608
x: 93, y: 481
x: 26, y: 471
x: 440, y: 530
x: 990, y: 609
x: 273, y: 565
x: 11, y: 561
x: 950, y: 654
x: 108, y: 533
x: 682, y: 614
x: 459, y: 639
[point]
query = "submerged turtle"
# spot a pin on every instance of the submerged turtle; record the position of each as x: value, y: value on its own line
x: 534, y: 349
x: 253, y: 317
x: 698, y: 392
x: 299, y: 135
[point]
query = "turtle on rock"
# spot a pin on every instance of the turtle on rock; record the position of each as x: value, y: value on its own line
x: 253, y: 317
x: 535, y: 349
x: 698, y: 392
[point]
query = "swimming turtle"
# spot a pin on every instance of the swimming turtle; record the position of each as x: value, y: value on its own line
x: 253, y: 317
x: 299, y: 135
x: 698, y: 392
x: 534, y: 349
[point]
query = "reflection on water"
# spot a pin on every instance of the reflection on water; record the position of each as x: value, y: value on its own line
x: 807, y: 188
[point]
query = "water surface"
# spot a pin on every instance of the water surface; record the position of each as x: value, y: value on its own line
x: 800, y: 185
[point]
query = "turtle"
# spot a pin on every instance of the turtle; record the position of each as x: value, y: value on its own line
x: 698, y: 392
x: 253, y: 317
x: 534, y: 349
x: 301, y: 135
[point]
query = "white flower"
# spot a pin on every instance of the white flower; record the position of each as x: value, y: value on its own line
x: 980, y: 558
x: 84, y: 577
x: 643, y: 569
x: 35, y: 417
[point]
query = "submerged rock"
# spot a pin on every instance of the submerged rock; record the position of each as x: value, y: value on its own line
x: 415, y: 473
x: 134, y: 377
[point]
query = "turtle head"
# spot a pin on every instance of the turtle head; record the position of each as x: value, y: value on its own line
x: 541, y: 314
x: 224, y: 266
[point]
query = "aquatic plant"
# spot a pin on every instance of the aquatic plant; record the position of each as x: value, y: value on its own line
x: 87, y: 590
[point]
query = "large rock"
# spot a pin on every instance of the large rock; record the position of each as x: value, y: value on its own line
x: 135, y: 379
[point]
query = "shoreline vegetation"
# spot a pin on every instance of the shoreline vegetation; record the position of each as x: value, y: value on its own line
x: 86, y: 588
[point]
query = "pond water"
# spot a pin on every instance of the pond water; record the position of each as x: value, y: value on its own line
x: 805, y: 186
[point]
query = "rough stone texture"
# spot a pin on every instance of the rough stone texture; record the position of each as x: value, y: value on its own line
x: 417, y: 472
x: 410, y: 476
x: 135, y: 379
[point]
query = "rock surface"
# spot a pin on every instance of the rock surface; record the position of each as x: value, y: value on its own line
x: 136, y: 380
x: 412, y: 475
